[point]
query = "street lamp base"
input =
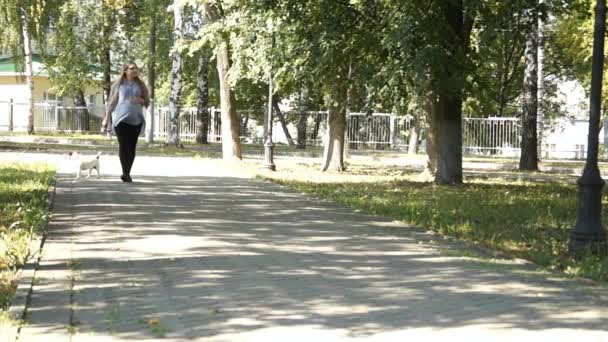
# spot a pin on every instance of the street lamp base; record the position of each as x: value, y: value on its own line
x: 269, y: 156
x: 581, y: 244
x: 270, y: 167
x: 588, y: 234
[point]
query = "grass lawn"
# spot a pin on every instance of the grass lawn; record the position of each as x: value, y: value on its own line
x: 98, y: 142
x: 23, y: 207
x: 516, y: 213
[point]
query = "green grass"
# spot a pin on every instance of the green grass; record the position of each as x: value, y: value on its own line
x: 525, y: 218
x: 23, y: 207
x: 189, y: 149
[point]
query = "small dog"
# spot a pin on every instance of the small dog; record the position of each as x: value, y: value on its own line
x: 86, y: 164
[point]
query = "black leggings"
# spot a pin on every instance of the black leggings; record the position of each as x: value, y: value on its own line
x: 127, y: 141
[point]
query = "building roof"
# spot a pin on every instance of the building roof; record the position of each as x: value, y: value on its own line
x: 8, y: 67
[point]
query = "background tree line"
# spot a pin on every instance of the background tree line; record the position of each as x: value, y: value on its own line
x: 437, y: 61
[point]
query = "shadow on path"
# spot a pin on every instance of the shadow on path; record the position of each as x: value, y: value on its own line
x: 203, y: 257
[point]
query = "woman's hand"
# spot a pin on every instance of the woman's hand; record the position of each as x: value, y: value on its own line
x: 138, y: 99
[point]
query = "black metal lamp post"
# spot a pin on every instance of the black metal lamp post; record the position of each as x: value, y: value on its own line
x: 268, y: 145
x: 588, y: 233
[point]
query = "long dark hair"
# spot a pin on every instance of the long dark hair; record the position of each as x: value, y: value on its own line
x: 123, y: 76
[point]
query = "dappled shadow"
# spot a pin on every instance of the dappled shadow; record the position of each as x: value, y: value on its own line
x: 211, y: 257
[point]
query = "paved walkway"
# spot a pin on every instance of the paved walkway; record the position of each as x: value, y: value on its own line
x: 193, y: 252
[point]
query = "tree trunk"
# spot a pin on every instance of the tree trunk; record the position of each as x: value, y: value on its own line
x: 303, y: 119
x: 315, y: 130
x: 349, y: 95
x: 529, y: 157
x: 445, y: 131
x: 244, y: 123
x: 82, y: 114
x: 447, y: 115
x: 275, y: 106
x: 333, y: 154
x: 431, y: 140
x: 105, y: 51
x: 412, y: 146
x: 202, y: 108
x: 540, y: 84
x: 176, y: 79
x: 29, y: 72
x: 151, y: 77
x: 231, y: 143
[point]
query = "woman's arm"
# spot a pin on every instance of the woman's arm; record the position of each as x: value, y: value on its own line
x: 110, y: 106
x: 105, y: 121
x: 113, y: 99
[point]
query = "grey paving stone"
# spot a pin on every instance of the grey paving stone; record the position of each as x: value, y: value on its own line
x: 210, y: 256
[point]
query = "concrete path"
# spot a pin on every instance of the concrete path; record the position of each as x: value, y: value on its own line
x: 194, y: 252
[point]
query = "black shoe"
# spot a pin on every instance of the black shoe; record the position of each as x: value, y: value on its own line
x: 126, y: 178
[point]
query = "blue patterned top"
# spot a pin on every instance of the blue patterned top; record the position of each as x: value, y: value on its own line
x: 127, y: 110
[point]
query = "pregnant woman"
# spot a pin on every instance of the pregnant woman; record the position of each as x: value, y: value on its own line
x: 128, y: 96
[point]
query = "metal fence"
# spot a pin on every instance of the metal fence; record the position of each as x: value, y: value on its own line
x: 491, y: 136
x: 50, y: 117
x: 373, y: 131
x: 188, y: 128
x: 378, y: 131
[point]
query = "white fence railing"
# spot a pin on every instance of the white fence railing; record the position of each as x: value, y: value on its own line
x: 50, y: 117
x: 500, y: 136
x: 378, y: 131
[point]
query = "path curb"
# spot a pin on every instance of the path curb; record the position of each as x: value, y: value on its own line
x: 27, y: 275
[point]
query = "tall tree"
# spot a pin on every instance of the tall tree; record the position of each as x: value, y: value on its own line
x: 529, y: 149
x: 23, y: 25
x: 231, y: 144
x: 29, y: 72
x: 107, y: 29
x: 440, y: 50
x: 541, y: 80
x: 202, y: 56
x: 202, y: 108
x: 176, y: 74
x: 152, y: 71
x: 71, y: 68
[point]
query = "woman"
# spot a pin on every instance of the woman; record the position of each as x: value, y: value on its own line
x: 128, y: 96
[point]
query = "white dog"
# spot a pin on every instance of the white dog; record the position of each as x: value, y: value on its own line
x: 86, y: 164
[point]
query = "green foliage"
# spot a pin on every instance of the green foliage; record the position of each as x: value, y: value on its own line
x: 570, y: 51
x: 71, y: 69
x: 14, y: 14
x: 298, y: 43
x: 23, y: 208
x: 498, y: 46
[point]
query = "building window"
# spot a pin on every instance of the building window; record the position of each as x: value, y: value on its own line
x: 52, y: 98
